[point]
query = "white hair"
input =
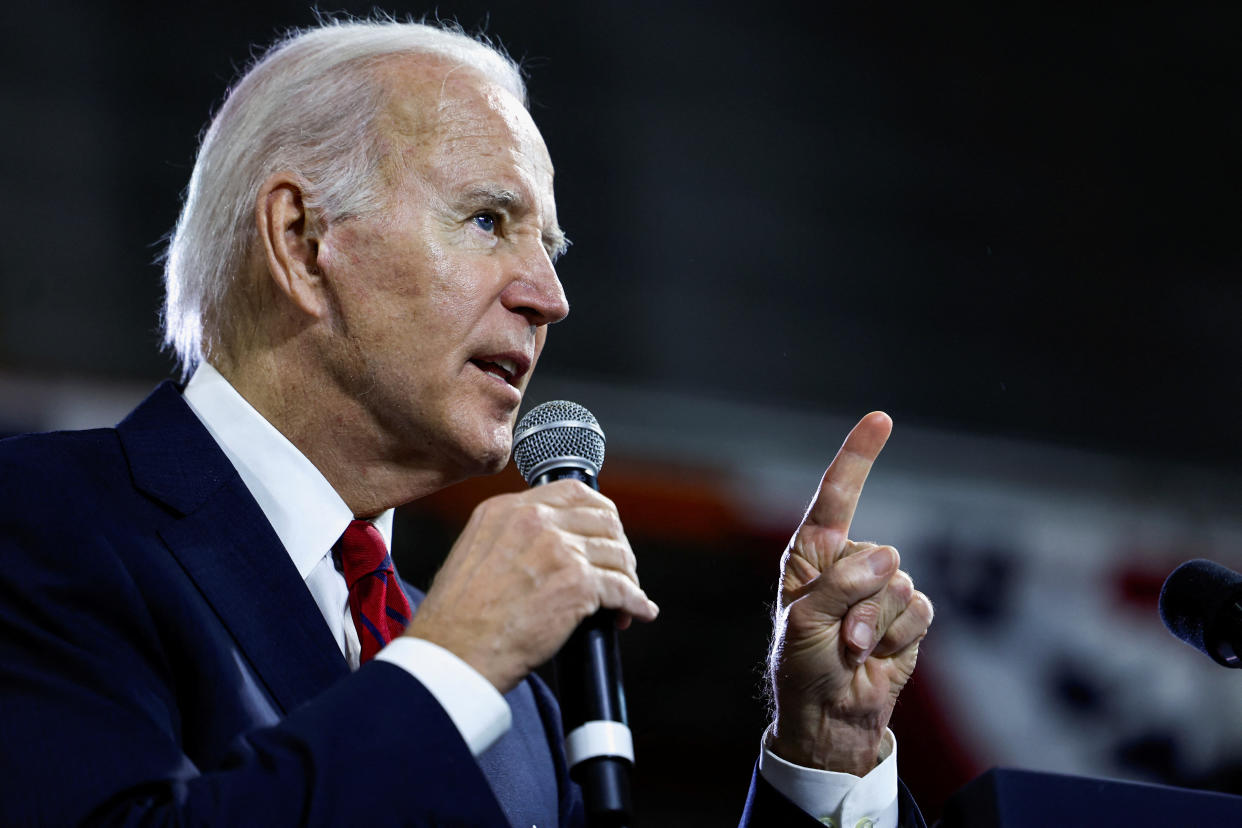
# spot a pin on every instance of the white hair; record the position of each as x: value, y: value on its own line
x: 309, y: 106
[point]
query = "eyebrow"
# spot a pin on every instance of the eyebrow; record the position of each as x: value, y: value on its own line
x: 497, y: 197
x: 554, y: 238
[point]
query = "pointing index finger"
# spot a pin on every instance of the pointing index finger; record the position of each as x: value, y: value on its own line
x: 834, y: 504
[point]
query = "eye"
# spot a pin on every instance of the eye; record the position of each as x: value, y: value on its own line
x: 485, y: 222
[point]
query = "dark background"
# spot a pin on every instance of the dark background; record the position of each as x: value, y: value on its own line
x: 1018, y: 221
x: 1021, y: 221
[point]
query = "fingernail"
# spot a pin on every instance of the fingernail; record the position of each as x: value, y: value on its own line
x: 880, y: 559
x: 861, y: 634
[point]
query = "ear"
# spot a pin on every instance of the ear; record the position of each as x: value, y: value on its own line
x: 289, y: 240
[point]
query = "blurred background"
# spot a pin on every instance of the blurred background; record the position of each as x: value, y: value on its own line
x: 1014, y: 229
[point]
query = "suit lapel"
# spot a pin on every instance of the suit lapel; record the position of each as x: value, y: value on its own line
x: 226, y: 546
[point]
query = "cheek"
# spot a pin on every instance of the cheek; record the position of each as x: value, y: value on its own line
x: 457, y: 288
x: 347, y: 246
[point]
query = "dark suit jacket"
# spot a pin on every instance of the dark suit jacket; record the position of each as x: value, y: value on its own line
x: 161, y: 661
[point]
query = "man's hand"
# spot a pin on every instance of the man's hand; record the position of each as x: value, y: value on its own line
x: 526, y: 570
x: 848, y: 624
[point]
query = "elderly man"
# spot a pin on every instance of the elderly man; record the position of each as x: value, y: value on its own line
x: 358, y: 288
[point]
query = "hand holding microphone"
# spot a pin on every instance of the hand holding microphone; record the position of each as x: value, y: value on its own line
x: 527, y: 570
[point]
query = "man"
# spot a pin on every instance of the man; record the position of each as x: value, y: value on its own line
x: 359, y: 286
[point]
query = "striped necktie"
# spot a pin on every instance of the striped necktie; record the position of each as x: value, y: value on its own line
x: 379, y: 607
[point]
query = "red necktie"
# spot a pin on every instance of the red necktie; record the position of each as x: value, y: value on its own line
x: 376, y: 601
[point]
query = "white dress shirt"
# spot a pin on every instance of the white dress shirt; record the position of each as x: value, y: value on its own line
x: 841, y: 800
x: 309, y: 517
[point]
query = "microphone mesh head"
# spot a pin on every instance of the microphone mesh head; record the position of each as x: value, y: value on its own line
x: 1193, y: 598
x: 555, y: 430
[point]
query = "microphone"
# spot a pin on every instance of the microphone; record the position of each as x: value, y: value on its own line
x: 555, y: 441
x: 1201, y: 603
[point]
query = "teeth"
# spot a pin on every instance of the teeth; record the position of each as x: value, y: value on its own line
x: 509, y: 365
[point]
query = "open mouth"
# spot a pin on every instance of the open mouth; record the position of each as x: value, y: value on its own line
x: 503, y: 368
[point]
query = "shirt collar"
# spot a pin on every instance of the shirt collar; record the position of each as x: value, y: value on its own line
x: 306, y: 512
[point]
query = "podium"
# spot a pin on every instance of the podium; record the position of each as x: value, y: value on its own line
x: 1009, y: 798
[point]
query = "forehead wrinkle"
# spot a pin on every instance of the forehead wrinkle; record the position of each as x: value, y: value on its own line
x: 433, y: 107
x: 424, y: 109
x: 420, y: 109
x: 407, y: 125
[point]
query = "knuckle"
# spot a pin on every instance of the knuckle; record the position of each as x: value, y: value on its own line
x: 571, y: 489
x: 623, y: 593
x: 611, y: 553
x: 547, y: 539
x: 853, y: 576
x: 853, y: 547
x: 868, y: 610
x: 584, y: 572
x: 612, y: 523
x: 531, y: 517
x: 558, y: 550
x: 902, y: 587
x: 577, y: 492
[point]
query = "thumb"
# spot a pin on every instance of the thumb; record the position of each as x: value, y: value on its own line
x: 850, y: 580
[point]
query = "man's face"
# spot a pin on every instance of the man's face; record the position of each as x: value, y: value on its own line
x: 442, y: 302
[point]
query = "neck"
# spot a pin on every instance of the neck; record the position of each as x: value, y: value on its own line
x: 332, y: 431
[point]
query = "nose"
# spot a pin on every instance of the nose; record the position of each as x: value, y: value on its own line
x: 535, y: 290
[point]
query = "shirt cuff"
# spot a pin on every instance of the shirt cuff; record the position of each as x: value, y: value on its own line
x: 838, y: 799
x: 476, y: 707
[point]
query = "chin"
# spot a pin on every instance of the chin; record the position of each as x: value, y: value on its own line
x: 490, y: 455
x: 497, y: 465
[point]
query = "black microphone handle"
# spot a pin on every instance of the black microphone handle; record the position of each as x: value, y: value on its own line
x: 599, y: 747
